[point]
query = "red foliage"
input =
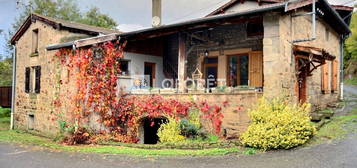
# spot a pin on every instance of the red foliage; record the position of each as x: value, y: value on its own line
x: 95, y: 72
x: 213, y: 113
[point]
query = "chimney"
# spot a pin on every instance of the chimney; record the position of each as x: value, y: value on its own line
x: 156, y: 13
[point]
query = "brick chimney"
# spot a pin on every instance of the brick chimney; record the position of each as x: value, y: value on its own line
x: 156, y: 13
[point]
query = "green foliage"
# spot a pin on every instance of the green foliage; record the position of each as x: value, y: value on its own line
x: 5, y: 112
x: 278, y: 125
x: 350, y: 57
x: 191, y: 126
x: 352, y: 81
x: 95, y: 18
x: 60, y: 9
x: 6, y: 72
x: 351, y: 42
x: 170, y: 132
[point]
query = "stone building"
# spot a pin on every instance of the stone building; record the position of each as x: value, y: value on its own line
x: 35, y: 69
x: 238, y: 53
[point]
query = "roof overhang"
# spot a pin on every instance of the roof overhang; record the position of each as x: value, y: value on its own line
x: 188, y: 25
x: 312, y: 53
x: 59, y: 24
x: 331, y: 17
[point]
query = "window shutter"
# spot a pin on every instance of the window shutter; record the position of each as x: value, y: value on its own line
x: 27, y: 79
x: 324, y: 78
x: 256, y: 69
x: 334, y: 75
x: 38, y: 79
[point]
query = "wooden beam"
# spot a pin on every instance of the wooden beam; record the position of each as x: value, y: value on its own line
x: 181, y: 62
x: 95, y: 40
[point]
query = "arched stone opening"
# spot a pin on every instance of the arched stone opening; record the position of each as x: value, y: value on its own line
x: 149, y: 128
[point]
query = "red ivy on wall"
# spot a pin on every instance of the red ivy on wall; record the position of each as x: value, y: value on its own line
x: 95, y: 73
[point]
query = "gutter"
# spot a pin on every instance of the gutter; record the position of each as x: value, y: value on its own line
x: 342, y: 43
x: 13, y: 89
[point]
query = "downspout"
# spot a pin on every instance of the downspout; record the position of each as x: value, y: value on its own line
x: 13, y: 88
x: 342, y: 42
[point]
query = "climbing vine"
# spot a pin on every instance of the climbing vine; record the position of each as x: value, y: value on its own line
x: 95, y: 72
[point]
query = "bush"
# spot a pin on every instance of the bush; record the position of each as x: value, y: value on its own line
x: 190, y: 127
x: 187, y: 129
x: 278, y: 125
x: 5, y: 112
x: 170, y: 132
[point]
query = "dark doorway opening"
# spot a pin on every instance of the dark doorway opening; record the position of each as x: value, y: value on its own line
x: 211, y: 71
x: 149, y: 71
x: 151, y: 126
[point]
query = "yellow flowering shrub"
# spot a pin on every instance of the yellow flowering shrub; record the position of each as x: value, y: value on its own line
x: 278, y: 124
x: 170, y: 132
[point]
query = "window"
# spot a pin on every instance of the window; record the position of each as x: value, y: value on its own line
x: 255, y: 28
x: 33, y: 79
x: 124, y: 67
x: 238, y: 70
x: 35, y: 41
x: 27, y: 79
x: 37, y: 79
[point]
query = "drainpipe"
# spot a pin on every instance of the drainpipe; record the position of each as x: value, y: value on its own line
x: 342, y: 42
x: 13, y: 88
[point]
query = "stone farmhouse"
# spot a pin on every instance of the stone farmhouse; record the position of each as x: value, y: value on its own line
x: 242, y: 51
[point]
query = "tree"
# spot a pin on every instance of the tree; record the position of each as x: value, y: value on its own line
x: 6, y: 72
x: 350, y: 57
x: 351, y: 42
x: 94, y: 17
x: 61, y: 9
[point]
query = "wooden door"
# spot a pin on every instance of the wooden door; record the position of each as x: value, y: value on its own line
x: 302, y: 87
x: 334, y: 85
x: 256, y: 68
x: 150, y: 71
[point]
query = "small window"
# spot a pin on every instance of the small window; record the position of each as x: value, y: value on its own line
x: 37, y: 79
x: 27, y: 79
x: 33, y: 79
x: 255, y: 29
x: 35, y: 41
x: 31, y: 122
x: 124, y: 67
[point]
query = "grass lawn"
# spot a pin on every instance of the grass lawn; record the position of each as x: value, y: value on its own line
x: 337, y: 128
x: 20, y: 137
x: 352, y: 81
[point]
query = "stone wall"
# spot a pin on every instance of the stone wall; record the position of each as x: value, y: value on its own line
x: 38, y: 105
x: 279, y: 62
x: 235, y: 120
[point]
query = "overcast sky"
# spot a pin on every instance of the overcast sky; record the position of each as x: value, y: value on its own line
x: 133, y: 14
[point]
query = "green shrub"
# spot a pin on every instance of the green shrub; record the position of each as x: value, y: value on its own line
x: 5, y: 112
x: 278, y: 125
x: 170, y: 132
x: 191, y: 126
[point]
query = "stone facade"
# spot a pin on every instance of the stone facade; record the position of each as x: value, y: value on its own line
x: 236, y: 118
x: 279, y: 61
x: 35, y: 109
